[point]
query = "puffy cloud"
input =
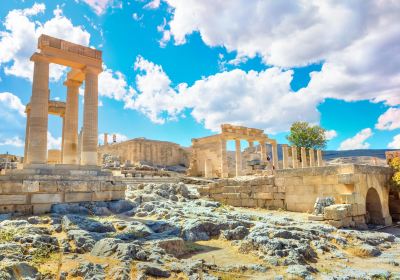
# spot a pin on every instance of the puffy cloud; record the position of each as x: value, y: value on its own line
x: 330, y: 134
x: 357, y: 141
x: 14, y: 141
x: 295, y: 33
x: 113, y: 84
x: 120, y: 138
x: 389, y: 120
x: 19, y: 40
x: 156, y: 97
x: 100, y: 6
x: 153, y: 4
x: 395, y: 144
x: 53, y: 142
x: 11, y: 101
x: 260, y: 99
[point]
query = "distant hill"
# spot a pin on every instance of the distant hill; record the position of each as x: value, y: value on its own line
x: 378, y: 153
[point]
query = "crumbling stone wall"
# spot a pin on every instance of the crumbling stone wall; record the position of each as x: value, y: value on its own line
x: 361, y: 190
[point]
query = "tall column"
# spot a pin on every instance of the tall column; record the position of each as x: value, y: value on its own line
x: 312, y: 157
x: 285, y: 156
x: 275, y: 158
x: 224, y: 160
x: 238, y: 158
x: 251, y: 144
x: 70, y: 142
x: 62, y: 139
x: 263, y: 152
x: 105, y: 139
x: 320, y: 160
x: 26, y: 136
x: 90, y: 117
x: 38, y: 121
x: 294, y: 157
x: 303, y: 157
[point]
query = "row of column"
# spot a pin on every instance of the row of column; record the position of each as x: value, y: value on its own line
x: 310, y: 162
x: 238, y: 156
x: 37, y: 121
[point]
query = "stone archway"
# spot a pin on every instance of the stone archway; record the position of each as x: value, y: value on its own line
x: 374, y: 208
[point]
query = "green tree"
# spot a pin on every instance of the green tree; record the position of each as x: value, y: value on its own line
x: 302, y: 134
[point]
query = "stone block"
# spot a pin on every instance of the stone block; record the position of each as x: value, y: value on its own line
x: 261, y: 203
x: 279, y: 181
x: 108, y: 195
x: 46, y: 198
x: 7, y: 199
x: 111, y: 186
x: 7, y: 209
x: 234, y: 202
x: 39, y: 209
x: 78, y: 196
x: 77, y: 186
x: 348, y: 198
x: 312, y: 180
x: 263, y: 188
x: 230, y: 189
x: 232, y: 195
x: 249, y: 202
x: 23, y: 209
x: 281, y: 189
x: 245, y: 189
x: 337, y: 212
x: 11, y: 187
x: 263, y: 195
x: 279, y: 195
x: 278, y: 203
x: 330, y: 179
x: 245, y: 195
x: 48, y: 186
x: 316, y: 217
x: 347, y: 179
x: 336, y: 224
x: 30, y: 186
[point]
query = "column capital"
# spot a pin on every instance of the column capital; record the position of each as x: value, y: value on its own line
x: 92, y: 70
x: 37, y: 57
x: 72, y: 83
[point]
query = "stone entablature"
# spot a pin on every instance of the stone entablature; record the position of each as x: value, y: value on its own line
x: 364, y: 189
x: 209, y: 154
x: 86, y: 65
x: 34, y: 191
x: 138, y: 150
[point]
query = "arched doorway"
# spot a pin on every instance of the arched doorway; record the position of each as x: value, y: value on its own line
x: 374, y: 208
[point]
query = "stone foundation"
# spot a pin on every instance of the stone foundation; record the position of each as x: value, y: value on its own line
x: 35, y: 190
x: 361, y: 192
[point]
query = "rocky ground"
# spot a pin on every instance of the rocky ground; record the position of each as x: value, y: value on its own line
x: 166, y: 231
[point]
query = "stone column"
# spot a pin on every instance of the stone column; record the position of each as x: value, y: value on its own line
x: 303, y: 157
x: 90, y: 117
x: 105, y: 139
x: 251, y: 144
x: 312, y: 157
x: 275, y: 158
x: 285, y: 156
x: 38, y: 121
x: 62, y: 138
x: 26, y: 136
x: 263, y: 152
x: 238, y: 157
x: 320, y: 160
x: 224, y: 160
x: 208, y: 168
x: 294, y: 157
x: 70, y: 143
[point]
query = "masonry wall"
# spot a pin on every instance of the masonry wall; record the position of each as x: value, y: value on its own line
x: 144, y: 150
x: 35, y: 191
x: 298, y: 189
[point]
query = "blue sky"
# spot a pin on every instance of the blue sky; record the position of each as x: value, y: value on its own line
x: 176, y: 70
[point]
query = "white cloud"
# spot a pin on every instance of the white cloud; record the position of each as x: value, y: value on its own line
x: 53, y: 142
x: 100, y: 6
x: 259, y: 99
x: 113, y: 85
x: 13, y: 141
x: 350, y: 38
x: 153, y: 4
x: 395, y: 144
x: 357, y: 141
x: 389, y: 120
x: 19, y: 39
x: 119, y: 137
x: 11, y: 101
x: 330, y: 134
